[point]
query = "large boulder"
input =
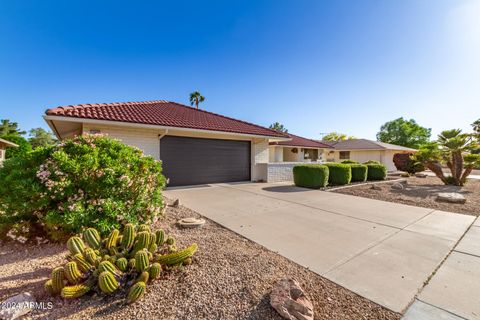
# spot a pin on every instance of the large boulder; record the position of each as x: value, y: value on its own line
x: 290, y: 301
x: 397, y: 186
x: 451, y: 197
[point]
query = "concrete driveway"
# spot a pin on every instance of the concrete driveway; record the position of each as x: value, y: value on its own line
x: 382, y: 251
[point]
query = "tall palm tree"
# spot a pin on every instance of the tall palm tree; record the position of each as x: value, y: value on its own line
x: 196, y: 98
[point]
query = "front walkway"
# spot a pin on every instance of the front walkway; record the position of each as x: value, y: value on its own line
x: 383, y: 251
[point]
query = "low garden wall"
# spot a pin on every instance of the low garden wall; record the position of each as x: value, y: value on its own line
x: 282, y: 171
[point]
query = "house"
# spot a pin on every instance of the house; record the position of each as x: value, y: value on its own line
x: 3, y: 149
x: 362, y: 150
x: 284, y: 155
x: 195, y: 146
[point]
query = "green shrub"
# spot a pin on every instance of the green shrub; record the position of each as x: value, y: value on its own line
x: 310, y: 176
x: 376, y: 171
x: 371, y: 162
x: 349, y: 162
x: 405, y: 162
x: 339, y: 173
x: 89, y: 181
x: 359, y: 172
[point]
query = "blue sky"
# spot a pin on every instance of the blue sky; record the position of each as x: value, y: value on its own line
x: 315, y: 66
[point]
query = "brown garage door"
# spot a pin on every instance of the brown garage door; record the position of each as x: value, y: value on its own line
x: 188, y: 161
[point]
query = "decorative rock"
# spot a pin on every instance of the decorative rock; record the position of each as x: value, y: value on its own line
x: 191, y: 222
x: 452, y: 197
x: 176, y: 203
x: 375, y: 187
x: 420, y: 175
x: 397, y: 186
x: 289, y: 300
x: 17, y: 306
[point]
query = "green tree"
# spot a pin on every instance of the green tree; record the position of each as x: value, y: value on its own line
x: 453, y: 149
x: 196, y: 98
x: 40, y: 137
x: 10, y: 128
x: 277, y: 126
x: 405, y: 133
x: 23, y: 145
x: 337, y: 136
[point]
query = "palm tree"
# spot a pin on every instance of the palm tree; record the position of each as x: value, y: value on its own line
x: 451, y: 148
x: 195, y: 98
x: 453, y: 144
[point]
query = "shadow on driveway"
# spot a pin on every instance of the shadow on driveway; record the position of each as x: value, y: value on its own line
x: 284, y: 189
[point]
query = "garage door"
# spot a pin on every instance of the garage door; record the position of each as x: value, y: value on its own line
x: 188, y: 161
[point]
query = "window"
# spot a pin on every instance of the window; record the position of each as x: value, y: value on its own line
x: 344, y: 155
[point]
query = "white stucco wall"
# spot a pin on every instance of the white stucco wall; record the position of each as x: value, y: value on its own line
x: 289, y: 156
x: 385, y: 157
x: 275, y: 154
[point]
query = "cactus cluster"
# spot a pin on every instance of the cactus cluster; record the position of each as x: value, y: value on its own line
x: 122, y: 262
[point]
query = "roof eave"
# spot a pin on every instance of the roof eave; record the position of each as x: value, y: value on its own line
x: 49, y: 119
x: 298, y: 146
x: 8, y: 143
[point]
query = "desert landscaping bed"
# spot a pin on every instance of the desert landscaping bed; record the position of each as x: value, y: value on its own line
x: 422, y: 192
x: 231, y: 278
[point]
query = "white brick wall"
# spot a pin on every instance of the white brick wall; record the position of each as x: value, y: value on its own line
x: 145, y: 139
x: 281, y: 171
x: 260, y: 151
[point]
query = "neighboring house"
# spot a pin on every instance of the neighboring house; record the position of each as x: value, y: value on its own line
x: 3, y: 149
x: 195, y: 146
x: 362, y: 150
x: 297, y: 149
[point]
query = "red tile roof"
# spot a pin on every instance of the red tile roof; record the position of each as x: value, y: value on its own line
x: 162, y: 113
x: 301, y: 142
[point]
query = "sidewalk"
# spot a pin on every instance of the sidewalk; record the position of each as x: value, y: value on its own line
x: 452, y: 293
x: 472, y: 176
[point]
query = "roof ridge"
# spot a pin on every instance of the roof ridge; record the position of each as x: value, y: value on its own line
x: 107, y: 104
x: 313, y: 140
x: 225, y: 117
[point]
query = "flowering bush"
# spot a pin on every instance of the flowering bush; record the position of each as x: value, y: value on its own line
x: 89, y: 181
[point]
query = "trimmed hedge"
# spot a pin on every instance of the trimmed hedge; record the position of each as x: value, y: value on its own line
x: 339, y: 173
x: 359, y: 172
x: 371, y: 162
x: 349, y: 162
x: 310, y: 176
x: 376, y: 172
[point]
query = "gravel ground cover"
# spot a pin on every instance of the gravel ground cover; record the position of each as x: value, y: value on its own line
x: 231, y: 278
x: 422, y: 192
